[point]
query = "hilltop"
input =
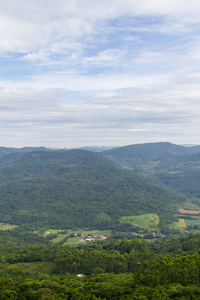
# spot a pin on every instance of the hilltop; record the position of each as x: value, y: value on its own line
x: 143, y: 154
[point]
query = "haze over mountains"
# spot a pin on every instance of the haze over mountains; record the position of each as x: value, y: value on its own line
x: 69, y: 188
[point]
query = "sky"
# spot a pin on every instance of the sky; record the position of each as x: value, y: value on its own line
x: 87, y: 72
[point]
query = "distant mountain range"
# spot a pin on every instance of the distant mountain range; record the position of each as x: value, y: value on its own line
x: 96, y: 148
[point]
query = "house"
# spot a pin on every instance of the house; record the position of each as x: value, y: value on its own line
x: 103, y: 237
x: 90, y: 239
x: 80, y: 275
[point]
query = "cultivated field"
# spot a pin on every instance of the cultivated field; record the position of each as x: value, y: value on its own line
x: 184, y: 222
x: 80, y: 232
x: 147, y: 221
x: 189, y: 212
x: 182, y: 225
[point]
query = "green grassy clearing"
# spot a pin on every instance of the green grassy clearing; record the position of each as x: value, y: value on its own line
x: 183, y: 223
x: 80, y: 230
x: 150, y: 221
x: 59, y: 238
x: 175, y: 225
x: 142, y: 220
x: 191, y: 222
x: 7, y: 226
x: 73, y: 240
x: 180, y: 225
x: 106, y: 233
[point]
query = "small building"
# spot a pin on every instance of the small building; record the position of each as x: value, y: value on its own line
x: 89, y: 239
x: 103, y: 237
x: 80, y: 275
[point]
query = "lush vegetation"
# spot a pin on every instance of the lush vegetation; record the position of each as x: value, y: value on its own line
x: 45, y: 189
x: 112, y: 270
x: 145, y: 155
x: 176, y: 166
x: 76, y: 188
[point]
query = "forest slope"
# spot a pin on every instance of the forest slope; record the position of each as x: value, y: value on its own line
x: 142, y: 155
x: 176, y: 166
x: 76, y: 188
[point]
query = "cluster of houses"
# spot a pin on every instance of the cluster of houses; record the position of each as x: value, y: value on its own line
x: 91, y: 238
x: 83, y: 237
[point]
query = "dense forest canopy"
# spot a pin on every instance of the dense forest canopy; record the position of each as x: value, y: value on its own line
x: 70, y: 188
x: 121, y: 270
x: 176, y: 166
x: 64, y: 189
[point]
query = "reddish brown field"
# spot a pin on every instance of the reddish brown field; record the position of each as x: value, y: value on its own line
x: 188, y: 212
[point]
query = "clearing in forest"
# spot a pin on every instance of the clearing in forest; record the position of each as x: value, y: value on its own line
x: 147, y: 221
x: 7, y: 226
x: 182, y: 225
x: 75, y: 235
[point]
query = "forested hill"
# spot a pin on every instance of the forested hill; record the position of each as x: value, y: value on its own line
x: 4, y: 151
x: 176, y: 166
x: 144, y: 153
x: 76, y: 188
x: 181, y: 173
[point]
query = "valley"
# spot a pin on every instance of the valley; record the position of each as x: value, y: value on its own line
x: 115, y: 224
x: 126, y: 189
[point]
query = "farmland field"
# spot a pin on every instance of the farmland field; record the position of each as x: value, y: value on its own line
x: 192, y: 222
x: 182, y: 225
x: 7, y: 226
x: 150, y: 221
x: 189, y: 212
x: 75, y: 239
x: 175, y: 225
x: 72, y: 240
x: 60, y: 238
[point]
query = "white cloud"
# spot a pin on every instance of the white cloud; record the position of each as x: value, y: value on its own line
x: 151, y: 57
x: 27, y: 26
x: 84, y: 83
x: 45, y: 117
x: 107, y: 57
x: 91, y: 72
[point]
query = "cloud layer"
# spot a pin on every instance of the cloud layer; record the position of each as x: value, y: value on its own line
x: 82, y: 72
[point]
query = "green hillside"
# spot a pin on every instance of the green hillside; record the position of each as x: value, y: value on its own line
x: 145, y: 153
x: 182, y: 174
x: 77, y: 188
x: 4, y: 151
x: 176, y: 166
